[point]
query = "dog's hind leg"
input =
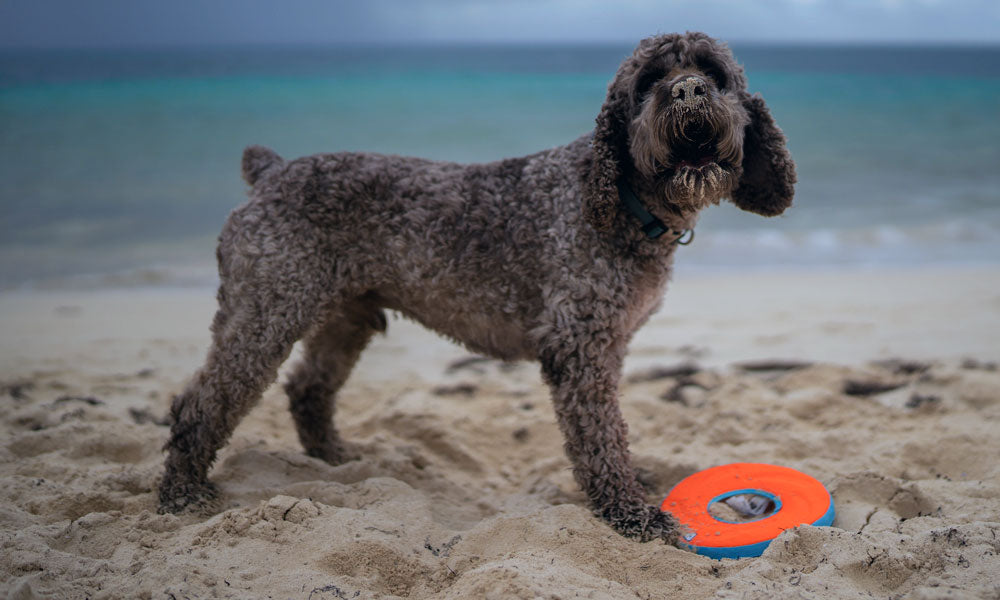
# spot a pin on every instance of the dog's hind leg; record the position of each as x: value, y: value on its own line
x: 330, y: 353
x: 253, y: 333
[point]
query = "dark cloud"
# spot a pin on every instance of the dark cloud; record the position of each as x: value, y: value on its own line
x: 184, y: 22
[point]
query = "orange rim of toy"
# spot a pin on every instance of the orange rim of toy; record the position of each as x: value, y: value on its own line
x: 799, y: 500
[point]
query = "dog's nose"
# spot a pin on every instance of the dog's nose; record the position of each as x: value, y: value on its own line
x: 689, y: 89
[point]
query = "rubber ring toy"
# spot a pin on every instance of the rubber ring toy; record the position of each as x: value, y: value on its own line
x: 798, y: 500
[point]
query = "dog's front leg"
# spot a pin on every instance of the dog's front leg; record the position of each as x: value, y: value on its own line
x: 584, y: 381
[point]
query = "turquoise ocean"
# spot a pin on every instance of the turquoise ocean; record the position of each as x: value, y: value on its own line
x: 118, y: 167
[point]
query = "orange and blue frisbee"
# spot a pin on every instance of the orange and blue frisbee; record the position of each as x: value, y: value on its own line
x: 797, y: 499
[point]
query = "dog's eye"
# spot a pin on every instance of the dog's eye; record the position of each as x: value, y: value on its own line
x: 646, y: 81
x: 717, y: 74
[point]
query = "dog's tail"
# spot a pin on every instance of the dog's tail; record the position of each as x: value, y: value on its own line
x: 258, y: 161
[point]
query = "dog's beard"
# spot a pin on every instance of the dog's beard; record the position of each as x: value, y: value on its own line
x: 691, y: 154
x: 693, y: 188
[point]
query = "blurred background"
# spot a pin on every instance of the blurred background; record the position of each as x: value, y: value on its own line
x: 122, y: 122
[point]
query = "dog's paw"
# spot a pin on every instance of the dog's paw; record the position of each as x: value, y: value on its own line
x: 644, y: 523
x: 187, y: 497
x: 335, y: 453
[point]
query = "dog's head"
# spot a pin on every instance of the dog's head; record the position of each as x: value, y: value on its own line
x: 679, y: 116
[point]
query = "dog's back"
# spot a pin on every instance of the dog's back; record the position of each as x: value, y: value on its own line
x: 451, y: 246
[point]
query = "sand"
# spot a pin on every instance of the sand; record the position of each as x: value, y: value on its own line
x: 462, y: 489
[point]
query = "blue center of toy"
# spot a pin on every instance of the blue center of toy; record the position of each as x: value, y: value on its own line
x: 775, y: 501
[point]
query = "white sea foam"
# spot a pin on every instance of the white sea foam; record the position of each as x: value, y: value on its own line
x: 947, y: 242
x: 953, y: 242
x: 203, y: 275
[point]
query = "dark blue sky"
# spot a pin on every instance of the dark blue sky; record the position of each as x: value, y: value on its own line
x: 75, y: 23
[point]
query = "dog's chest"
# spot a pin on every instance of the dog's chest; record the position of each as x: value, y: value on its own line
x: 645, y: 298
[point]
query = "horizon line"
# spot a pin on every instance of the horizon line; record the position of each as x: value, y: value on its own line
x: 789, y: 43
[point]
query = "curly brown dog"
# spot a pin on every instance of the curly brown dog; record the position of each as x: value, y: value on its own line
x: 556, y: 257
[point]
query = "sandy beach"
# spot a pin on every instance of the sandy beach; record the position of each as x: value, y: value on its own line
x: 882, y: 384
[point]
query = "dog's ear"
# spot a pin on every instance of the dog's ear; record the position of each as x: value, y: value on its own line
x: 609, y: 149
x: 609, y: 155
x: 768, y: 181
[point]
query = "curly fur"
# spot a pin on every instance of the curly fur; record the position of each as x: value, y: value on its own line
x: 524, y: 258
